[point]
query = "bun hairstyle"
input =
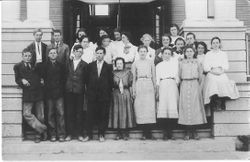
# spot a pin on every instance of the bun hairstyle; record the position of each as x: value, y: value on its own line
x: 83, y: 37
x: 80, y: 30
x: 146, y: 35
x: 175, y: 25
x: 214, y: 38
x: 167, y: 48
x: 120, y: 58
x: 190, y: 47
x: 128, y: 35
x: 180, y: 39
x: 204, y: 45
x: 167, y: 35
x: 142, y: 46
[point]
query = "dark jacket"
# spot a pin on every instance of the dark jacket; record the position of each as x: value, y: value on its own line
x: 32, y: 49
x: 62, y: 50
x: 31, y: 93
x: 75, y: 81
x: 54, y: 79
x: 99, y: 88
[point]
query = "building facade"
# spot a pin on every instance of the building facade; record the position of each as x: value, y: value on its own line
x: 228, y: 19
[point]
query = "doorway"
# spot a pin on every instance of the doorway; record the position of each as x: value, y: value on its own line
x: 137, y: 18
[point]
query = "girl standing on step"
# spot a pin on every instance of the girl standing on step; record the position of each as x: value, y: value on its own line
x: 191, y: 108
x: 121, y: 116
x: 144, y: 92
x: 217, y: 86
x: 167, y: 92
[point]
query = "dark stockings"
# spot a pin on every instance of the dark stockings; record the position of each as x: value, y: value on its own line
x: 167, y: 126
x: 218, y: 103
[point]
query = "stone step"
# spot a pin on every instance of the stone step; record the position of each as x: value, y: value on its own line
x: 112, y: 146
x: 136, y: 134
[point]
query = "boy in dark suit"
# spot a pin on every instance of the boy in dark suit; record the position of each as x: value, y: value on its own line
x: 75, y: 88
x: 37, y: 48
x: 99, y: 82
x: 54, y: 78
x: 28, y: 78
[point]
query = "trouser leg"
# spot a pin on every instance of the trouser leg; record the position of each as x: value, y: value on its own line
x: 103, y: 108
x: 90, y: 118
x: 70, y: 113
x: 51, y: 117
x: 31, y: 119
x: 79, y: 114
x: 60, y: 122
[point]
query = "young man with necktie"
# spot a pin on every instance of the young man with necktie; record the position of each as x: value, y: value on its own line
x: 37, y: 48
x: 99, y: 82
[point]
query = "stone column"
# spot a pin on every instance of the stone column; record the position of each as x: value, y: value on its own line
x: 10, y: 11
x: 37, y: 10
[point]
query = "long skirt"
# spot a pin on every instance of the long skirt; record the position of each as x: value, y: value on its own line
x: 168, y: 99
x: 207, y: 107
x: 121, y: 114
x: 219, y: 85
x: 145, y: 102
x: 191, y: 108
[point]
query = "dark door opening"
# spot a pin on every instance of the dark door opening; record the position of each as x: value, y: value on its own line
x: 137, y: 18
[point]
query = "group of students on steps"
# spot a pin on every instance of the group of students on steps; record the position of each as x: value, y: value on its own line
x: 114, y: 84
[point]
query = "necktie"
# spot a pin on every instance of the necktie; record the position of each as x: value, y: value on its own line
x: 38, y: 48
x: 28, y: 66
x: 121, y: 86
x: 99, y: 68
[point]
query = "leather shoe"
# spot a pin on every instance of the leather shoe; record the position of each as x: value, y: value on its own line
x: 68, y: 138
x: 61, y: 139
x: 45, y: 136
x: 86, y: 139
x: 101, y: 139
x: 80, y: 138
x: 37, y: 140
x: 53, y: 139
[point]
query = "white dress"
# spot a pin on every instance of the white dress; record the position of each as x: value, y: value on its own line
x: 167, y: 79
x: 218, y: 84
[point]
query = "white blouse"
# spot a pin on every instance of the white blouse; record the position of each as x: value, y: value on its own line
x: 88, y: 55
x: 215, y: 59
x: 109, y: 55
x: 120, y: 52
x: 167, y: 69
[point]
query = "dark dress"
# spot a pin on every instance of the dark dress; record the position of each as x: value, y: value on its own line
x: 122, y: 113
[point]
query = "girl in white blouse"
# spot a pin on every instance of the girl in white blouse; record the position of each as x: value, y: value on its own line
x: 126, y: 50
x: 88, y: 54
x: 217, y: 86
x: 167, y: 92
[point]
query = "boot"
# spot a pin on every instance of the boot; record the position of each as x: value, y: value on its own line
x: 195, y: 135
x: 187, y: 135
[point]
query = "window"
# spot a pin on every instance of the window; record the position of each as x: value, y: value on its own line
x: 99, y: 10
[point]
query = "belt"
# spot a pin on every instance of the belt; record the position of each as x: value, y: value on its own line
x: 166, y: 78
x: 191, y: 79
